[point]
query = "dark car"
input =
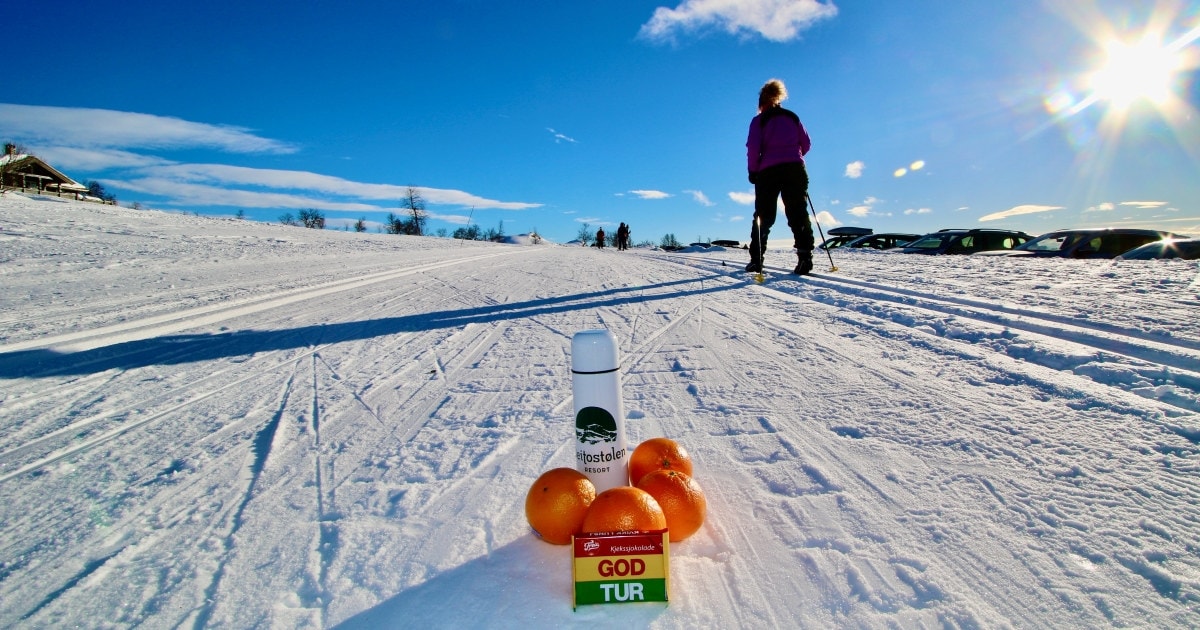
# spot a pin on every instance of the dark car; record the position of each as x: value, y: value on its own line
x: 1089, y: 243
x: 1185, y: 248
x: 965, y: 241
x: 723, y: 243
x: 840, y: 236
x: 885, y: 240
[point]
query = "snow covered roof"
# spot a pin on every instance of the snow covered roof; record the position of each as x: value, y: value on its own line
x: 33, y: 166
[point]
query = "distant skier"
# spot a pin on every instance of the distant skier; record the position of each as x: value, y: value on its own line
x: 775, y: 149
x: 622, y: 237
x: 600, y: 238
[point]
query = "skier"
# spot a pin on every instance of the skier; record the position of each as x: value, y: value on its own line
x: 622, y: 237
x: 600, y: 238
x: 775, y: 149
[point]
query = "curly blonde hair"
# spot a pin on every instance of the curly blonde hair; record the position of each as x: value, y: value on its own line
x: 773, y: 93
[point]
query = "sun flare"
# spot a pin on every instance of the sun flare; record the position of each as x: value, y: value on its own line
x: 1137, y: 75
x: 1144, y: 70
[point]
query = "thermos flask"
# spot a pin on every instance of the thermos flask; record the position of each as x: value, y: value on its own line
x: 600, y: 448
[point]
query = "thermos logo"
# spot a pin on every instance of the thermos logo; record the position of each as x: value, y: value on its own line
x: 594, y: 425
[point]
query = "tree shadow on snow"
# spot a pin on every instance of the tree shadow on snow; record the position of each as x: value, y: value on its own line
x: 524, y: 584
x: 177, y: 349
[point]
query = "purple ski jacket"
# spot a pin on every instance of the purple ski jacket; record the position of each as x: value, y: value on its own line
x: 776, y: 137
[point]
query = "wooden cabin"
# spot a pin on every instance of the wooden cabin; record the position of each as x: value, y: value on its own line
x: 28, y: 173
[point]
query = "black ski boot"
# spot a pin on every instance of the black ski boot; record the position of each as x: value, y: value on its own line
x: 804, y: 266
x: 756, y: 262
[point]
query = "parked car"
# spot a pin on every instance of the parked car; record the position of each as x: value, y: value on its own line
x: 1088, y: 243
x: 885, y: 240
x: 839, y: 236
x: 965, y: 241
x: 1185, y: 248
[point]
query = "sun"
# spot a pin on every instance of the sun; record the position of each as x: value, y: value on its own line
x: 1131, y: 89
x: 1145, y: 67
x: 1145, y: 70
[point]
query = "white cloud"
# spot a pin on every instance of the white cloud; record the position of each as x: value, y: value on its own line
x: 854, y: 170
x: 827, y: 220
x: 97, y: 139
x: 184, y: 194
x: 700, y: 197
x: 865, y: 209
x: 1017, y: 211
x: 214, y: 175
x: 273, y: 178
x: 918, y: 211
x: 457, y: 219
x: 650, y: 194
x: 558, y: 137
x: 461, y: 198
x: 1144, y: 205
x: 743, y: 198
x: 96, y: 159
x: 775, y: 20
x: 98, y: 128
x: 1106, y: 206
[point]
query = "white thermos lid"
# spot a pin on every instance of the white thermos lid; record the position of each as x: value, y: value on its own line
x: 594, y: 352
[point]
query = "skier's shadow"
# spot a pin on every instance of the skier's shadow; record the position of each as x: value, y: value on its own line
x: 524, y: 584
x: 177, y: 349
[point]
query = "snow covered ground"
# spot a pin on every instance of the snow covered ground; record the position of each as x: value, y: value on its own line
x: 219, y: 423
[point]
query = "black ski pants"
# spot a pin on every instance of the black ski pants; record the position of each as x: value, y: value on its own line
x: 790, y: 181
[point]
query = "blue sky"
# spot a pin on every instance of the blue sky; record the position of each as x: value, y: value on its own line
x: 548, y: 115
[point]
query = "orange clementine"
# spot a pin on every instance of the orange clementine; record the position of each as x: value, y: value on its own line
x: 681, y: 499
x: 623, y: 509
x: 557, y: 503
x: 658, y: 453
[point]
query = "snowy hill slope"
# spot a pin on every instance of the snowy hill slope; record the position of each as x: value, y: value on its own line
x: 218, y: 423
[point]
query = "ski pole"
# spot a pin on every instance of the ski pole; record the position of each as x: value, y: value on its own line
x: 832, y: 267
x: 762, y: 250
x: 472, y: 216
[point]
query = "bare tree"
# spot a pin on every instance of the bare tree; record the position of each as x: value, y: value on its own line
x: 414, y: 203
x: 11, y: 151
x: 312, y: 218
x: 585, y: 234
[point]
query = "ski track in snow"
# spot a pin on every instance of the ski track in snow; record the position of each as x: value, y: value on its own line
x: 213, y: 423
